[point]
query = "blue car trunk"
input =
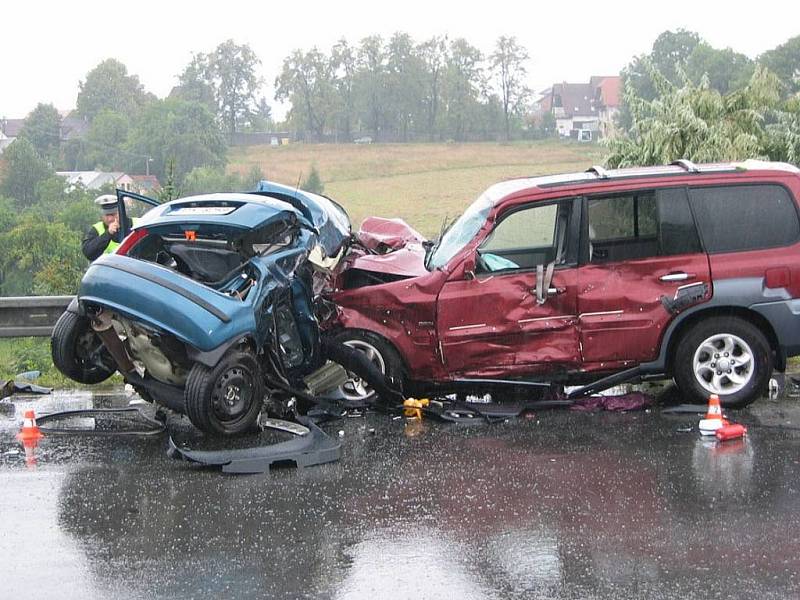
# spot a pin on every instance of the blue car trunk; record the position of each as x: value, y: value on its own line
x: 162, y: 298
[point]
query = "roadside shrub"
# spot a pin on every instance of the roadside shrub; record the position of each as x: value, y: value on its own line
x: 30, y: 354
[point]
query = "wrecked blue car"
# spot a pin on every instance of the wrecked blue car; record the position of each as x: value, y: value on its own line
x: 208, y: 306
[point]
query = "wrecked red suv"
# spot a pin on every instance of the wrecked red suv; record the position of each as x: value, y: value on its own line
x: 684, y: 271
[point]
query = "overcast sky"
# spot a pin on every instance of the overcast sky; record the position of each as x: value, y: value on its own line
x: 46, y: 48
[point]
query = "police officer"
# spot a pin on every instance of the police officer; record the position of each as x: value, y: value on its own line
x: 104, y: 236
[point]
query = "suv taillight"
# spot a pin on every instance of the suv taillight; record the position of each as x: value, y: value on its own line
x: 131, y: 240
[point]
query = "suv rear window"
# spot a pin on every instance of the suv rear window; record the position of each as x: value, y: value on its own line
x: 745, y: 217
x: 641, y: 224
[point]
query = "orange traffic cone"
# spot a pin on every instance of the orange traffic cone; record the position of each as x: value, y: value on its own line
x: 29, y: 431
x: 713, y: 420
x: 30, y: 451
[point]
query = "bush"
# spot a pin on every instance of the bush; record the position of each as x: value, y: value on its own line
x: 30, y: 354
x: 313, y: 183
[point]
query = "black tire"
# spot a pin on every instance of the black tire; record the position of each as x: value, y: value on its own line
x: 78, y: 352
x: 226, y: 399
x: 386, y: 382
x: 756, y: 376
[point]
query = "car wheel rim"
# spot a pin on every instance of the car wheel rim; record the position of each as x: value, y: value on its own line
x: 355, y: 388
x: 232, y: 395
x: 723, y: 364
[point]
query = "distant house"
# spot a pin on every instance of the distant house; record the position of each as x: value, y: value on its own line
x: 74, y: 126
x: 11, y: 127
x: 5, y: 141
x: 94, y: 180
x: 147, y: 185
x: 583, y: 111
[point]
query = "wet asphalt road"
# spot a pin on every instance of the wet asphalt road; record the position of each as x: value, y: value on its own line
x: 563, y: 505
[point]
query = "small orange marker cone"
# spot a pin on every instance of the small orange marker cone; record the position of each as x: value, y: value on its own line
x: 29, y: 431
x: 30, y: 451
x: 713, y: 420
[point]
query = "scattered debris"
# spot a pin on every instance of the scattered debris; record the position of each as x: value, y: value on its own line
x: 151, y: 426
x: 733, y: 431
x: 624, y: 402
x: 15, y: 386
x: 314, y: 448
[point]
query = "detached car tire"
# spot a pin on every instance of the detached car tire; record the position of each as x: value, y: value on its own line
x: 78, y: 352
x: 225, y: 399
x: 727, y: 356
x: 380, y: 372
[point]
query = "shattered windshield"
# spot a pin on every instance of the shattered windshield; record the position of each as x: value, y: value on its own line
x: 461, y: 232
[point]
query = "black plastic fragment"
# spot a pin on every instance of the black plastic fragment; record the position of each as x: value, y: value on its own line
x: 316, y: 448
x: 153, y: 426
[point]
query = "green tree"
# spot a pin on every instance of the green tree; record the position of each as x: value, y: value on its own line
x: 42, y: 129
x: 784, y: 61
x: 371, y: 80
x: 227, y: 77
x: 24, y: 170
x: 462, y: 87
x: 403, y: 85
x: 306, y: 80
x: 233, y: 73
x: 109, y: 87
x: 508, y: 62
x: 726, y: 70
x: 261, y: 118
x: 204, y: 180
x: 194, y: 85
x: 433, y: 54
x: 313, y: 183
x: 185, y: 132
x: 169, y: 191
x: 9, y: 214
x: 40, y: 257
x: 106, y: 139
x: 342, y: 72
x: 696, y: 122
x: 670, y: 52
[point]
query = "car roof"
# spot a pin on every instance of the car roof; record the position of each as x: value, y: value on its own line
x: 596, y: 174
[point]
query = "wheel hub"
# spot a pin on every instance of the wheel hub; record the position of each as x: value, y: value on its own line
x: 355, y: 388
x: 723, y: 364
x: 232, y: 394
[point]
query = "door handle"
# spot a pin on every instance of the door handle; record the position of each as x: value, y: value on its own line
x: 676, y: 277
x: 551, y: 291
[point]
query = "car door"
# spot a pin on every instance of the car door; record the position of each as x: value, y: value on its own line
x: 490, y: 322
x: 642, y: 265
x: 127, y: 208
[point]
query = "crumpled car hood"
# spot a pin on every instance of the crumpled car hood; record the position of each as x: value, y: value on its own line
x: 330, y: 220
x: 383, y: 235
x: 398, y: 246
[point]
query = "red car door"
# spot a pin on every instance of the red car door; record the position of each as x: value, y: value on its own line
x: 491, y: 323
x: 643, y: 264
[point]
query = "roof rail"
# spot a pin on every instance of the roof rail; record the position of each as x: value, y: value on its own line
x: 686, y: 165
x: 599, y: 171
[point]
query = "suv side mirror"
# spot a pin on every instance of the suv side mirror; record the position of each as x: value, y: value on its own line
x: 469, y: 268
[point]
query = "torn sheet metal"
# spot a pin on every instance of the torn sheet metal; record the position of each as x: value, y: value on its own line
x: 306, y: 450
x: 384, y: 235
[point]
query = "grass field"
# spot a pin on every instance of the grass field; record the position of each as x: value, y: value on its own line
x: 421, y: 183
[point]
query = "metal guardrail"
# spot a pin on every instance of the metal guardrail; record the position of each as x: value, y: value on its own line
x: 22, y: 316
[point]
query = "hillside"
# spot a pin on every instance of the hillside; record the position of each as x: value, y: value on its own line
x: 421, y: 183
